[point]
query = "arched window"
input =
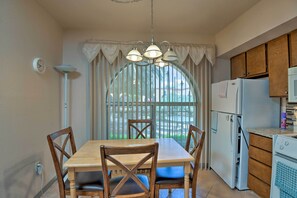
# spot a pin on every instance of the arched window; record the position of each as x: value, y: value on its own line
x: 165, y: 94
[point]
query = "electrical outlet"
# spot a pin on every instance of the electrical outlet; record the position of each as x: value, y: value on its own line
x: 38, y: 168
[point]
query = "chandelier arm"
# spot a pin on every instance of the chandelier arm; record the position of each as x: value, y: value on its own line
x: 139, y: 42
x: 167, y: 42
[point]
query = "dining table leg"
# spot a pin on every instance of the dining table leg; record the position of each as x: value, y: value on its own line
x: 71, y: 178
x: 187, y: 169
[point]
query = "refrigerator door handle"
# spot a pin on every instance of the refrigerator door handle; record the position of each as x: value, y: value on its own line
x: 229, y: 119
x: 237, y: 107
x: 231, y: 130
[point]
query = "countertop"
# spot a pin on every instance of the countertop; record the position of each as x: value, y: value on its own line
x: 269, y: 132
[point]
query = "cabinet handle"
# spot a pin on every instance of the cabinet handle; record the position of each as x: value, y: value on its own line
x: 248, y: 73
x: 286, y: 92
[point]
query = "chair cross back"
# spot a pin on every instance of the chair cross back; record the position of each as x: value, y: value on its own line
x: 195, y: 133
x: 196, y: 143
x: 107, y: 153
x: 62, y: 150
x: 86, y: 183
x: 169, y: 182
x: 54, y: 147
x: 140, y: 132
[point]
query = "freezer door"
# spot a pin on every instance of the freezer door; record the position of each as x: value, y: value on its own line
x: 259, y: 110
x: 226, y: 96
x: 224, y: 148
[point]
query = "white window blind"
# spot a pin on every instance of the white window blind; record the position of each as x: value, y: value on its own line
x: 166, y: 95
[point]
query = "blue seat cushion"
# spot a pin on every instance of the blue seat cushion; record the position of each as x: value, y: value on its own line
x: 130, y: 187
x: 87, y: 181
x: 170, y: 175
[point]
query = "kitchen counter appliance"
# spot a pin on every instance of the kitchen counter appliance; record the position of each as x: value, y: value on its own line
x: 284, y: 166
x: 237, y: 105
x: 292, y: 84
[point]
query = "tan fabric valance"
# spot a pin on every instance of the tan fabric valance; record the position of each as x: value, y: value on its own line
x: 111, y: 51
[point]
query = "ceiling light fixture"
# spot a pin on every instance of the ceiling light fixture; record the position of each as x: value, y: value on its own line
x: 153, y: 54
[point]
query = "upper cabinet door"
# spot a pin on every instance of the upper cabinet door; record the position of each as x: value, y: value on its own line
x: 278, y: 64
x: 256, y: 61
x: 238, y: 66
x: 293, y: 49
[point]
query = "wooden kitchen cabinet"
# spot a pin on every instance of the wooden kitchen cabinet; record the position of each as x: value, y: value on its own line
x: 278, y: 64
x: 293, y: 49
x: 260, y: 164
x: 238, y: 66
x: 256, y: 61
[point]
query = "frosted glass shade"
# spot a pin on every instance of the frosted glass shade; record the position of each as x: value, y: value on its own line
x: 153, y: 51
x: 170, y: 56
x: 65, y: 68
x: 134, y: 55
x: 159, y: 62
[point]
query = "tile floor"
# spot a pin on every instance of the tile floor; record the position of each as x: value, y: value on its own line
x: 209, y: 186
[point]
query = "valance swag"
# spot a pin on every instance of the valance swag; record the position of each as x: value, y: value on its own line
x: 111, y: 51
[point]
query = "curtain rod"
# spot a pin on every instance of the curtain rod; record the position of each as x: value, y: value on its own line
x: 95, y: 41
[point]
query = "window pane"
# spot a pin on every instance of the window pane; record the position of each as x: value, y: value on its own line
x: 165, y: 95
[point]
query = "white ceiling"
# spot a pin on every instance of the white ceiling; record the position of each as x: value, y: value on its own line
x: 203, y: 17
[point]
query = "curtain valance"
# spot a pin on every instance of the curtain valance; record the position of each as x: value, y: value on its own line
x: 111, y: 51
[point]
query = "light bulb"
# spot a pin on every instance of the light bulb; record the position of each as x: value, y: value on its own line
x: 161, y: 64
x: 134, y: 58
x: 153, y: 54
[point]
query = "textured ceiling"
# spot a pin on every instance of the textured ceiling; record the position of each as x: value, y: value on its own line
x: 204, y: 17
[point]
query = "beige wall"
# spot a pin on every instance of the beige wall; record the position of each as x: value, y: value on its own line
x: 264, y: 21
x: 221, y: 70
x: 29, y: 102
x: 72, y: 54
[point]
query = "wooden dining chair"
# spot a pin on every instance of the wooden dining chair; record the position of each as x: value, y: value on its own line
x: 131, y: 184
x: 173, y: 177
x: 140, y: 126
x: 86, y: 183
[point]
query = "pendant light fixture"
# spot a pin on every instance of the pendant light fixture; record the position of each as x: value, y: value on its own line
x: 170, y: 55
x: 153, y: 52
x: 134, y: 55
x: 159, y: 62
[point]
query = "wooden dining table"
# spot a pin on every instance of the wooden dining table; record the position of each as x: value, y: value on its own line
x: 87, y: 158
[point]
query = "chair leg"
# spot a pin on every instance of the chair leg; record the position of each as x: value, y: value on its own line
x: 193, y: 192
x: 101, y: 194
x: 157, y: 189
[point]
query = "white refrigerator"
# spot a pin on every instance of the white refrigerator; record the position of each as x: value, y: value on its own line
x: 237, y: 105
